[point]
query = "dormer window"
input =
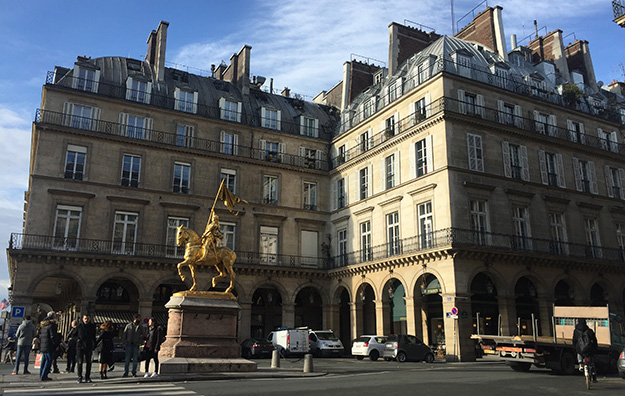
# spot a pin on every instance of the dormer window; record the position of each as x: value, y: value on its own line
x: 186, y: 100
x: 138, y: 90
x: 463, y: 62
x: 270, y: 118
x: 230, y: 109
x: 86, y: 79
x: 309, y: 126
x: 368, y: 108
x: 395, y: 90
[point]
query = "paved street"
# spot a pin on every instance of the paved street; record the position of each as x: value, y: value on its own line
x: 342, y: 377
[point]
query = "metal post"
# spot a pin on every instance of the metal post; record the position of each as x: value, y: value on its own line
x: 518, y: 326
x: 533, y: 327
x: 477, y: 318
x: 499, y: 330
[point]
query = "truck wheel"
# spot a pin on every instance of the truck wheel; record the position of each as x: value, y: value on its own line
x: 567, y: 363
x: 374, y: 355
x: 401, y: 357
x: 520, y: 366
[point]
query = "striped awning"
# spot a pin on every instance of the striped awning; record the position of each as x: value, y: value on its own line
x: 116, y: 317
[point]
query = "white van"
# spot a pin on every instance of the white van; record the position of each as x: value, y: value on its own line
x: 325, y: 343
x: 290, y: 341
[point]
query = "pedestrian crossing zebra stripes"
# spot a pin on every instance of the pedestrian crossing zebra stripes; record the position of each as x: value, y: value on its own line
x: 130, y: 389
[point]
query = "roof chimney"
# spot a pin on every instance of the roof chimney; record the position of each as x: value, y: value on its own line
x: 286, y: 92
x: 157, y: 41
x: 500, y: 37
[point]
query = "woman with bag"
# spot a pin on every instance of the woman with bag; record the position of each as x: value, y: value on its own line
x: 105, y: 339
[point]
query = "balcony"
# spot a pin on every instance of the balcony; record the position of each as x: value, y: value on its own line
x: 45, y: 117
x: 119, y: 91
x: 29, y: 244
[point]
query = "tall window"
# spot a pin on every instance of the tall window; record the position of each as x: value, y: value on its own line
x: 423, y: 72
x: 270, y: 118
x: 125, y: 232
x: 394, y: 90
x: 620, y: 238
x: 309, y: 126
x: 229, y: 143
x: 592, y: 238
x: 365, y: 241
x: 470, y: 103
x: 551, y: 168
x: 614, y: 179
x: 369, y: 108
x: 584, y: 172
x: 341, y: 200
x: 229, y: 110
x: 81, y: 117
x: 364, y: 183
x: 479, y: 222
x: 426, y: 232
x: 131, y: 168
x: 270, y: 190
x: 422, y: 157
x: 182, y: 177
x: 389, y: 127
x: 576, y: 131
x: 185, y: 100
x: 341, y: 237
x: 341, y: 156
x: 476, y: 155
x: 229, y: 231
x: 521, y: 228
x: 268, y: 245
x: 173, y: 250
x: 365, y: 144
x: 558, y: 234
x: 135, y: 127
x: 184, y: 135
x: 608, y: 141
x: 230, y: 175
x: 137, y: 91
x: 392, y: 234
x: 310, y: 196
x: 75, y: 162
x: 85, y: 80
x: 421, y: 110
x: 389, y: 167
x: 67, y: 227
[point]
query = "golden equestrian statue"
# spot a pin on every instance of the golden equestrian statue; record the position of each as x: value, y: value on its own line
x: 204, y: 250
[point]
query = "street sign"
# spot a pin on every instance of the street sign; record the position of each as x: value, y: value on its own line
x: 454, y: 311
x: 451, y: 316
x: 17, y: 312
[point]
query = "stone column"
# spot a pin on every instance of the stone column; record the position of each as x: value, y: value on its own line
x: 354, y: 309
x: 145, y: 308
x: 546, y: 312
x: 382, y: 326
x: 458, y: 343
x: 507, y: 310
x: 331, y: 317
x: 245, y: 320
x: 288, y: 314
x: 411, y: 317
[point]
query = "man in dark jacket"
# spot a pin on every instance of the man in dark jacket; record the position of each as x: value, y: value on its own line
x: 72, y: 338
x: 85, y: 342
x: 48, y: 345
x: 133, y: 336
x: 25, y: 334
x: 585, y: 343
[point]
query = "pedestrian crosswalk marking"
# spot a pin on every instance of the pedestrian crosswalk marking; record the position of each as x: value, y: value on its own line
x: 100, y: 389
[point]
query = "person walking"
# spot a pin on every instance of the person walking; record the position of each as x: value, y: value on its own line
x: 84, y: 346
x: 133, y: 335
x: 105, y: 340
x: 72, y: 338
x: 48, y: 339
x: 36, y: 343
x: 25, y: 335
x: 9, y: 350
x: 152, y: 346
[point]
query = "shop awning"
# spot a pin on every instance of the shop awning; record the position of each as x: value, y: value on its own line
x: 116, y: 317
x: 433, y: 287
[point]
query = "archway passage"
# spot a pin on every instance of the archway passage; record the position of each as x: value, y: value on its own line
x: 428, y: 298
x: 266, y: 311
x: 563, y: 294
x: 117, y: 300
x: 308, y: 309
x: 598, y: 296
x: 484, y: 305
x: 161, y: 296
x: 395, y: 295
x: 58, y: 293
x: 345, y: 320
x: 366, y: 297
x: 526, y: 306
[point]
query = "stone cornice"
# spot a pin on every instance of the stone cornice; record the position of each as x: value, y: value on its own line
x: 78, y: 194
x: 137, y: 201
x: 178, y: 205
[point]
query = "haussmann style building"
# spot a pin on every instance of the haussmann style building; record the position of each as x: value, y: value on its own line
x: 462, y: 174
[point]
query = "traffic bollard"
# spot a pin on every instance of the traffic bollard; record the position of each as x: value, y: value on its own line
x: 308, y: 363
x: 275, y: 359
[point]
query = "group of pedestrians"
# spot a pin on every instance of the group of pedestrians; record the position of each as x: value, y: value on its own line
x: 82, y: 340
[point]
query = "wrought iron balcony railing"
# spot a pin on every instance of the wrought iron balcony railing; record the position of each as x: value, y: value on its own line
x: 53, y: 244
x: 120, y: 91
x: 172, y: 139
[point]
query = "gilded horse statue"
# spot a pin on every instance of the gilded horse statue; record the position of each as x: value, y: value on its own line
x: 196, y: 253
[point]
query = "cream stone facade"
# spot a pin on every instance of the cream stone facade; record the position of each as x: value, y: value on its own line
x: 466, y: 177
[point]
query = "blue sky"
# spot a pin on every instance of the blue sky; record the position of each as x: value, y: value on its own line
x: 300, y: 44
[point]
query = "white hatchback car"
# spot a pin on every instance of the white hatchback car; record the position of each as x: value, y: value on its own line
x: 369, y: 345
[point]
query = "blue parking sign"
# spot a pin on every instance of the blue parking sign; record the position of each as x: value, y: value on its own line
x: 17, y: 312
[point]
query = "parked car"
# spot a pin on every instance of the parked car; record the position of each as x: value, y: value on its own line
x: 620, y: 364
x: 369, y: 345
x: 256, y: 348
x: 325, y: 343
x: 290, y: 341
x: 404, y: 347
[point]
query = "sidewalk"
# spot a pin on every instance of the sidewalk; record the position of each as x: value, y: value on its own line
x: 115, y: 376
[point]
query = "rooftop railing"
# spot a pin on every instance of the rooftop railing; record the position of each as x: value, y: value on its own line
x: 120, y: 91
x: 618, y: 9
x: 173, y: 139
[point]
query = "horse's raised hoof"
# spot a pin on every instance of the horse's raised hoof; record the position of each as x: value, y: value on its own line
x: 183, y: 277
x: 193, y: 288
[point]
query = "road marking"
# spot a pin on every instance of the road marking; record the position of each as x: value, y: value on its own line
x: 102, y: 389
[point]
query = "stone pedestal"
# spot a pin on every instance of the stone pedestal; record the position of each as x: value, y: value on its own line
x: 202, y: 335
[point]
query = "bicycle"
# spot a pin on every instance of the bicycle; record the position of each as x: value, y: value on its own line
x: 589, y: 371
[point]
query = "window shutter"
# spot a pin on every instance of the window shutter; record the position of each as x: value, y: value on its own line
x: 316, y: 131
x: 413, y: 116
x: 195, y: 97
x: 462, y: 109
x: 480, y: 105
x: 235, y: 140
x: 263, y: 117
x: 123, y: 121
x: 577, y: 172
x: 318, y: 159
x: 428, y: 109
x: 301, y: 152
x: 592, y: 178
x: 357, y: 186
x: 397, y: 166
x: 96, y: 83
x: 177, y: 97
x: 128, y: 88
x: 95, y: 118
x: 582, y: 133
x: 609, y: 182
x: 148, y: 93
x: 543, y: 167
x: 412, y: 158
x: 262, y: 149
x: 507, y: 167
x: 613, y: 142
x: 239, y: 111
x: 222, y: 139
x: 525, y: 165
x: 147, y: 125
x: 552, y: 122
x: 500, y: 109
x: 429, y: 153
x: 383, y: 175
x: 334, y: 195
x: 569, y: 127
x: 222, y: 108
x: 385, y: 96
x: 346, y: 187
x: 621, y: 173
x: 399, y: 86
x: 75, y: 76
x: 560, y: 165
x: 279, y: 120
x: 471, y: 152
x: 302, y: 124
x: 281, y: 149
x: 518, y: 116
x: 382, y: 129
x: 68, y: 108
x: 369, y: 180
